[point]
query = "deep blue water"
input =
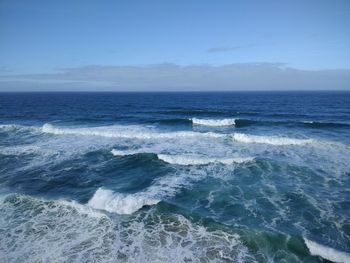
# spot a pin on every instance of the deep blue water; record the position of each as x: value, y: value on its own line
x: 175, y: 177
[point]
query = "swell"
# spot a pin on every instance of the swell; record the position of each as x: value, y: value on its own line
x: 315, y: 124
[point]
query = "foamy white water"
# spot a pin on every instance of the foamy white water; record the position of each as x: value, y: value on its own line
x: 273, y: 140
x: 62, y: 231
x: 188, y: 159
x: 193, y: 160
x: 327, y: 252
x: 127, y: 132
x: 214, y: 122
x: 110, y: 201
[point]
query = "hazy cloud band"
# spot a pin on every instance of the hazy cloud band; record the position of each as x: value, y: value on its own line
x: 171, y: 77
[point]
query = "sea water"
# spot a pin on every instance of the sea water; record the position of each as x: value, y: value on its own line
x: 175, y: 177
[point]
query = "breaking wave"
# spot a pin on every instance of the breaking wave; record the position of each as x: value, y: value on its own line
x: 273, y: 140
x: 188, y: 159
x: 110, y: 201
x: 327, y: 253
x: 61, y: 231
x: 214, y: 122
x: 128, y: 132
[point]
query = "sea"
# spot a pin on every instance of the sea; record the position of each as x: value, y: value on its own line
x: 175, y: 177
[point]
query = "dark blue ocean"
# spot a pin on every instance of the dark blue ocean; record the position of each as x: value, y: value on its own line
x: 175, y: 177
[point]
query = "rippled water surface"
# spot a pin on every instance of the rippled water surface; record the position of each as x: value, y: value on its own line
x: 175, y: 177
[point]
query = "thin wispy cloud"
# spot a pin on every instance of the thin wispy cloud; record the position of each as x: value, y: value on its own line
x: 172, y: 77
x: 227, y: 48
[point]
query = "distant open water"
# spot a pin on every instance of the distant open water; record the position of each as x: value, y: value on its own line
x: 175, y: 177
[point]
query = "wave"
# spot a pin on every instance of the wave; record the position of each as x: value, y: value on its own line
x: 316, y: 124
x: 17, y: 127
x: 191, y: 160
x: 44, y: 231
x: 241, y: 122
x: 110, y: 201
x: 327, y: 253
x: 273, y: 140
x: 214, y: 122
x: 126, y: 132
x: 137, y: 132
x: 188, y: 159
x: 174, y: 122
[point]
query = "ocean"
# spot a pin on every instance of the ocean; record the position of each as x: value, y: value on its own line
x: 175, y: 177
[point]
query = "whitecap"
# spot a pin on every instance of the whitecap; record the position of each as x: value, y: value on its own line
x: 126, y: 132
x: 110, y: 201
x: 193, y: 160
x: 188, y: 159
x: 273, y: 140
x: 214, y: 122
x: 327, y: 252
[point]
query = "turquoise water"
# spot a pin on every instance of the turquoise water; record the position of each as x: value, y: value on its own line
x: 175, y: 177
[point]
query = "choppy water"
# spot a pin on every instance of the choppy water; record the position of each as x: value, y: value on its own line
x: 175, y: 177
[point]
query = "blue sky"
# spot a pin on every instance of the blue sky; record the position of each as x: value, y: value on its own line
x: 51, y: 40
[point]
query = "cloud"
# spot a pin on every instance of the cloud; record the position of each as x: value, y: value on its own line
x: 226, y: 49
x: 172, y: 77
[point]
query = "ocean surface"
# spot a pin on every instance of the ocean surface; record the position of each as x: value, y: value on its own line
x: 175, y: 177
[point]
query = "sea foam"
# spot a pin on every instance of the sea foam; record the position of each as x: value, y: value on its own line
x: 327, y: 252
x: 192, y: 160
x: 273, y: 140
x: 214, y: 122
x: 188, y: 159
x: 45, y: 231
x: 127, y: 132
x: 110, y: 201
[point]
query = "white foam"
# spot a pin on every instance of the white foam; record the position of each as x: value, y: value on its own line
x: 123, y: 152
x: 47, y: 231
x: 17, y: 127
x: 274, y: 140
x: 127, y: 132
x: 104, y: 199
x: 214, y: 122
x: 188, y: 159
x: 327, y: 252
x: 192, y: 160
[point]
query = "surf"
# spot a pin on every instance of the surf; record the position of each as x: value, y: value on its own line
x: 327, y: 253
x: 214, y: 122
x: 187, y: 159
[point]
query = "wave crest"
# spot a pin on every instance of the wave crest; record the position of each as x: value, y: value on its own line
x: 273, y: 140
x: 126, y: 132
x: 104, y: 199
x: 327, y: 252
x: 191, y: 160
x: 188, y: 159
x: 214, y: 122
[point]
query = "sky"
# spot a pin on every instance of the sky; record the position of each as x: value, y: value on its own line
x: 180, y: 45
